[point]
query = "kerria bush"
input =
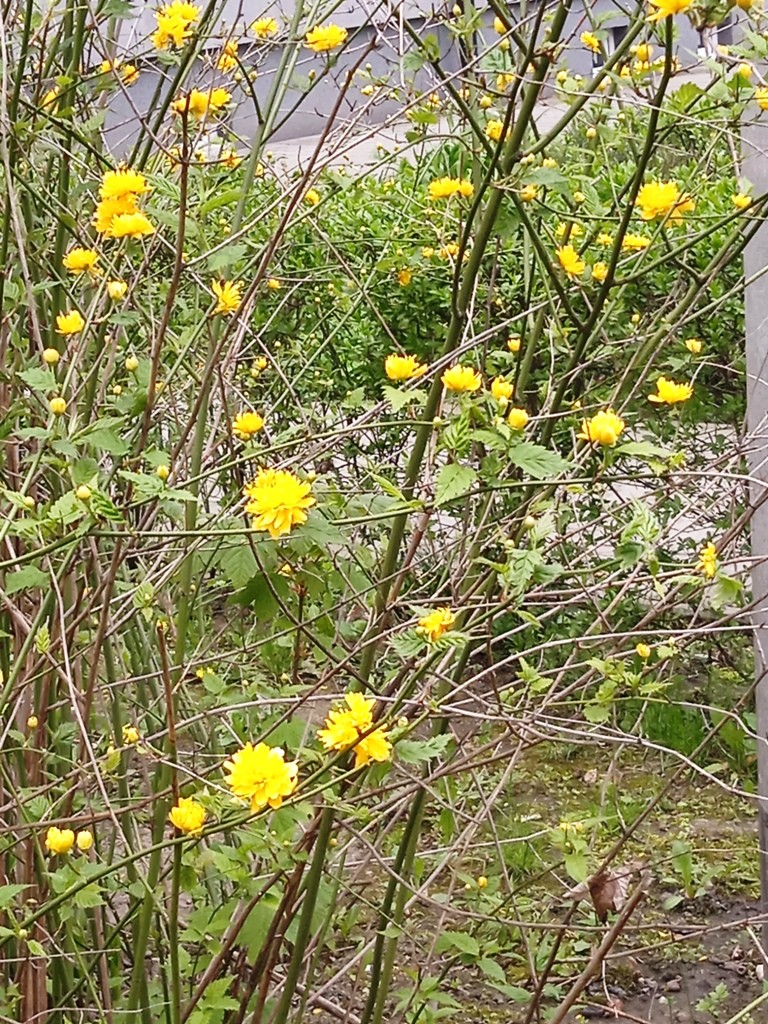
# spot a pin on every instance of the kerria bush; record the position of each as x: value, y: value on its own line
x: 334, y: 495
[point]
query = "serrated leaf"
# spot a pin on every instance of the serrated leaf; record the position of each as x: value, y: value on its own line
x: 39, y: 378
x: 453, y: 480
x: 225, y: 257
x: 28, y: 577
x: 398, y: 398
x: 417, y: 751
x: 108, y: 441
x: 535, y: 460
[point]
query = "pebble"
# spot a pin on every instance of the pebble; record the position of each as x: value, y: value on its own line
x: 673, y: 985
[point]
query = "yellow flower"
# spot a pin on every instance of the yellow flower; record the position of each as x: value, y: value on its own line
x: 502, y: 389
x: 436, y: 623
x: 130, y: 225
x: 573, y: 230
x: 188, y: 815
x: 84, y: 840
x: 108, y: 209
x: 50, y: 97
x: 121, y: 183
x: 228, y: 56
x: 312, y: 196
x: 504, y: 80
x: 82, y: 261
x: 344, y: 726
x: 514, y: 343
x: 494, y: 130
x: 499, y: 27
x: 51, y: 356
x: 603, y: 428
x: 604, y: 239
x: 663, y: 199
x: 228, y: 296
x: 174, y: 22
x: 667, y: 8
x: 261, y: 775
x: 461, y: 378
x: 707, y: 563
x: 449, y: 250
x: 741, y: 200
x: 643, y: 51
x: 264, y: 28
x: 570, y: 260
x: 600, y: 271
x: 761, y: 97
x: 323, y: 38
x: 129, y: 73
x: 403, y: 367
x: 633, y: 243
x: 549, y: 161
x: 273, y: 284
x: 404, y: 277
x: 345, y: 729
x: 482, y: 882
x: 427, y: 252
x: 528, y: 193
x: 58, y: 840
x: 198, y: 104
x: 518, y: 419
x: 131, y: 735
x: 278, y: 500
x: 668, y: 392
x: 58, y: 406
x: 643, y: 651
x: 69, y: 323
x: 373, y: 747
x: 246, y: 424
x: 693, y: 345
x: 590, y: 40
x: 117, y: 290
x: 444, y: 188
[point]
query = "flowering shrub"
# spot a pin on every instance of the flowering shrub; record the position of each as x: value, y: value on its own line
x: 331, y: 497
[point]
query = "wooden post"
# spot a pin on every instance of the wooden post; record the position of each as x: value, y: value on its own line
x: 755, y: 169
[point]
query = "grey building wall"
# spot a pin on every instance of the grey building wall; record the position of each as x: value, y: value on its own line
x: 304, y: 114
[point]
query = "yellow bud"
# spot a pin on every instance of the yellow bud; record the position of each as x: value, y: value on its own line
x: 117, y: 290
x: 131, y: 364
x: 58, y: 406
x: 33, y: 722
x: 163, y: 472
x: 486, y: 102
x: 117, y: 389
x: 579, y: 197
x: 51, y: 356
x: 514, y: 343
x: 29, y: 501
x: 83, y: 493
x: 84, y: 841
x: 643, y: 651
x: 591, y: 132
x: 482, y: 882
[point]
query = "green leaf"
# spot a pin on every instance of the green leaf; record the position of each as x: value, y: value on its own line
x: 458, y: 940
x: 535, y: 460
x: 398, y: 398
x: 90, y: 896
x: 106, y: 440
x: 642, y: 450
x: 26, y: 578
x: 238, y: 563
x: 225, y: 257
x: 725, y: 591
x: 491, y: 969
x: 577, y: 866
x: 8, y: 894
x: 417, y: 751
x: 39, y: 378
x: 453, y: 480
